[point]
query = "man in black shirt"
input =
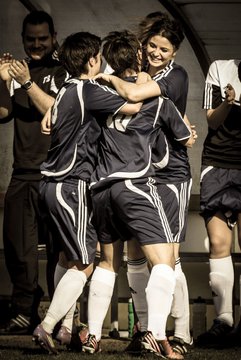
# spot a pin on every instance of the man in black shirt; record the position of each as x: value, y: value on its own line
x: 28, y: 88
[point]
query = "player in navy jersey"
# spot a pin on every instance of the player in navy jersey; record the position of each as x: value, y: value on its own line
x: 132, y: 206
x: 70, y: 162
x: 220, y: 196
x: 28, y: 88
x: 161, y: 40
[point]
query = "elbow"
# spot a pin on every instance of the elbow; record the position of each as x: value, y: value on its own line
x: 132, y: 97
x: 136, y: 108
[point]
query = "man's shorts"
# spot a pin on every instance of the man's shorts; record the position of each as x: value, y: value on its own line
x: 220, y: 191
x: 69, y: 206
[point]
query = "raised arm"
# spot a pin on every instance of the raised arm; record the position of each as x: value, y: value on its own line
x: 134, y: 108
x: 20, y: 72
x: 5, y: 80
x: 131, y: 91
x: 216, y: 117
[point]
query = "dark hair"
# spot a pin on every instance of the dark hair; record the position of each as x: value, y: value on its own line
x: 166, y: 27
x: 120, y: 51
x: 76, y: 51
x: 146, y: 23
x: 37, y: 17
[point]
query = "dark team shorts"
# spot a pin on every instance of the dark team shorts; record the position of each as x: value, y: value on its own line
x: 141, y: 209
x: 220, y: 191
x: 70, y: 207
x: 175, y: 198
x: 108, y: 225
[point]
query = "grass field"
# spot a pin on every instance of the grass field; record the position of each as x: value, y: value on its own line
x: 22, y: 348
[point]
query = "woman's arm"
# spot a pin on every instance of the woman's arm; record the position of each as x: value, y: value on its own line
x: 131, y: 91
x: 216, y: 117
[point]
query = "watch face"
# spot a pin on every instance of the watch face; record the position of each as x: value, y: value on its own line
x: 27, y: 85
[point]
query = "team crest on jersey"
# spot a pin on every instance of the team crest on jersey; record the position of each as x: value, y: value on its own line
x: 46, y: 79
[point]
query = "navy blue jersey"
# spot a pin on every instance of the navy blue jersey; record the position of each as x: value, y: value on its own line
x: 75, y: 131
x: 173, y: 82
x: 222, y: 147
x: 126, y: 142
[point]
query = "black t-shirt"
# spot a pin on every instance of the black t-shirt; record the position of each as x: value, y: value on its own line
x: 29, y: 145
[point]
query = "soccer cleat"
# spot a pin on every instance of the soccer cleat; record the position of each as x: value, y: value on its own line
x: 232, y: 339
x: 135, y: 346
x: 168, y: 351
x: 215, y: 336
x: 179, y: 345
x: 91, y: 345
x: 20, y: 325
x: 149, y: 344
x: 83, y: 333
x: 63, y: 336
x: 42, y: 338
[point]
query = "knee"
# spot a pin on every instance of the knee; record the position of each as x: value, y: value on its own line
x: 220, y: 247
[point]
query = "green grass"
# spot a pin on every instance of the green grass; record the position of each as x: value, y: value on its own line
x: 22, y: 348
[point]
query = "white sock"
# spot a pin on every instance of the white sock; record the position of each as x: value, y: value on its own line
x: 65, y: 296
x: 68, y: 319
x: 221, y: 281
x: 138, y: 275
x: 180, y: 306
x: 58, y: 274
x: 159, y: 294
x: 100, y: 293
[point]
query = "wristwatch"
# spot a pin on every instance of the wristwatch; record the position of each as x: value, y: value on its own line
x: 27, y: 85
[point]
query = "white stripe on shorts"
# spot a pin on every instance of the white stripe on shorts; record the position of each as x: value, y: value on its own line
x: 155, y: 200
x: 83, y: 220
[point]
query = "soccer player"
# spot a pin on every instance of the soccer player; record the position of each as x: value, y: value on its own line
x: 126, y: 202
x: 220, y: 198
x: 160, y: 42
x: 70, y: 162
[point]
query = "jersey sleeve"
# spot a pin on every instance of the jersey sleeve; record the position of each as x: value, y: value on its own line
x: 212, y: 92
x: 58, y: 79
x: 173, y: 121
x: 101, y: 99
x: 175, y: 87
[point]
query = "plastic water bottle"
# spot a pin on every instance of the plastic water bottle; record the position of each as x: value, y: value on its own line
x: 199, y: 317
x: 131, y: 320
